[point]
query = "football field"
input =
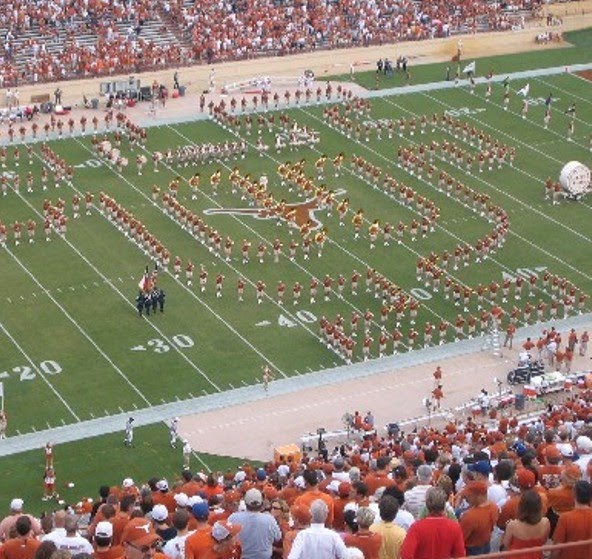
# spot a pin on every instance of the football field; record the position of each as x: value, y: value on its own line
x: 73, y: 347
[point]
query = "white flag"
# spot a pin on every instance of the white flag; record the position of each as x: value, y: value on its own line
x: 469, y: 68
x: 1, y: 390
x: 524, y: 91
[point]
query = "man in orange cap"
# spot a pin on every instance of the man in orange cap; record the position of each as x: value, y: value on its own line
x: 139, y: 540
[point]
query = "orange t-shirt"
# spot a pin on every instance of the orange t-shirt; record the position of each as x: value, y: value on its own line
x: 167, y: 499
x: 311, y: 495
x: 573, y: 526
x: 119, y: 522
x: 375, y: 480
x: 561, y: 499
x: 477, y: 524
x: 198, y: 542
x: 368, y: 543
x: 19, y: 548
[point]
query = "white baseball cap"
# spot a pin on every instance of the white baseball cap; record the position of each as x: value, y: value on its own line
x: 16, y: 504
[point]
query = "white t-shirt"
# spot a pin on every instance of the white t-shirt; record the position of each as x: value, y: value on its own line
x: 175, y: 548
x: 56, y: 535
x: 74, y: 544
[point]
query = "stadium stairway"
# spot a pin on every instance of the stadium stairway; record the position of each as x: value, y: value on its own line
x: 151, y: 31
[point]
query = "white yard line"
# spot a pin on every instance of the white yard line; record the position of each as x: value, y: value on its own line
x: 536, y: 179
x: 129, y: 303
x: 199, y: 299
x: 32, y: 363
x: 295, y: 263
x: 585, y: 100
x: 79, y: 328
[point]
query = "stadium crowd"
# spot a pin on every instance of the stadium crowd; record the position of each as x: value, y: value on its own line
x: 463, y: 489
x: 213, y: 31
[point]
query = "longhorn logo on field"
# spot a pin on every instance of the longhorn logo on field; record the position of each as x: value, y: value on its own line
x: 304, y: 212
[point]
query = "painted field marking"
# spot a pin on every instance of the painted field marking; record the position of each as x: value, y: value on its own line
x: 78, y: 327
x: 514, y: 199
x: 264, y: 239
x: 36, y: 368
x: 201, y: 301
x: 112, y: 285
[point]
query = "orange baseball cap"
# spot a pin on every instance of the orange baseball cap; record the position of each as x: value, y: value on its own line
x: 525, y: 479
x: 139, y: 532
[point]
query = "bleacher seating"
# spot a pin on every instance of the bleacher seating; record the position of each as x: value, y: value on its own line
x: 51, y: 41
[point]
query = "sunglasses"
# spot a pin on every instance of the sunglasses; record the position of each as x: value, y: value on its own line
x: 276, y: 507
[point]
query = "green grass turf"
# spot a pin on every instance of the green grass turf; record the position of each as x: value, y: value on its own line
x: 68, y: 318
x: 104, y: 460
x: 576, y: 51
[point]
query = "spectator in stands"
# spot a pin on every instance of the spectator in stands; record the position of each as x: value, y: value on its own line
x: 584, y: 450
x: 160, y: 516
x: 359, y: 494
x: 365, y: 539
x: 318, y: 541
x: 498, y: 490
x: 106, y: 512
x: 199, y: 540
x: 561, y: 499
x: 259, y: 529
x: 16, y: 511
x: 122, y: 517
x: 478, y: 520
x: 522, y: 480
x: 435, y: 536
x: 404, y: 518
x: 103, y: 542
x: 339, y: 503
x: 530, y: 528
x: 379, y: 477
x: 58, y: 527
x: 223, y: 541
x: 416, y: 497
x: 175, y: 547
x: 550, y: 470
x: 103, y: 494
x: 313, y: 493
x: 139, y: 539
x: 163, y: 496
x: 392, y: 535
x: 24, y: 544
x: 301, y: 519
x: 45, y: 550
x: 191, y: 486
x: 73, y: 541
x: 575, y: 525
